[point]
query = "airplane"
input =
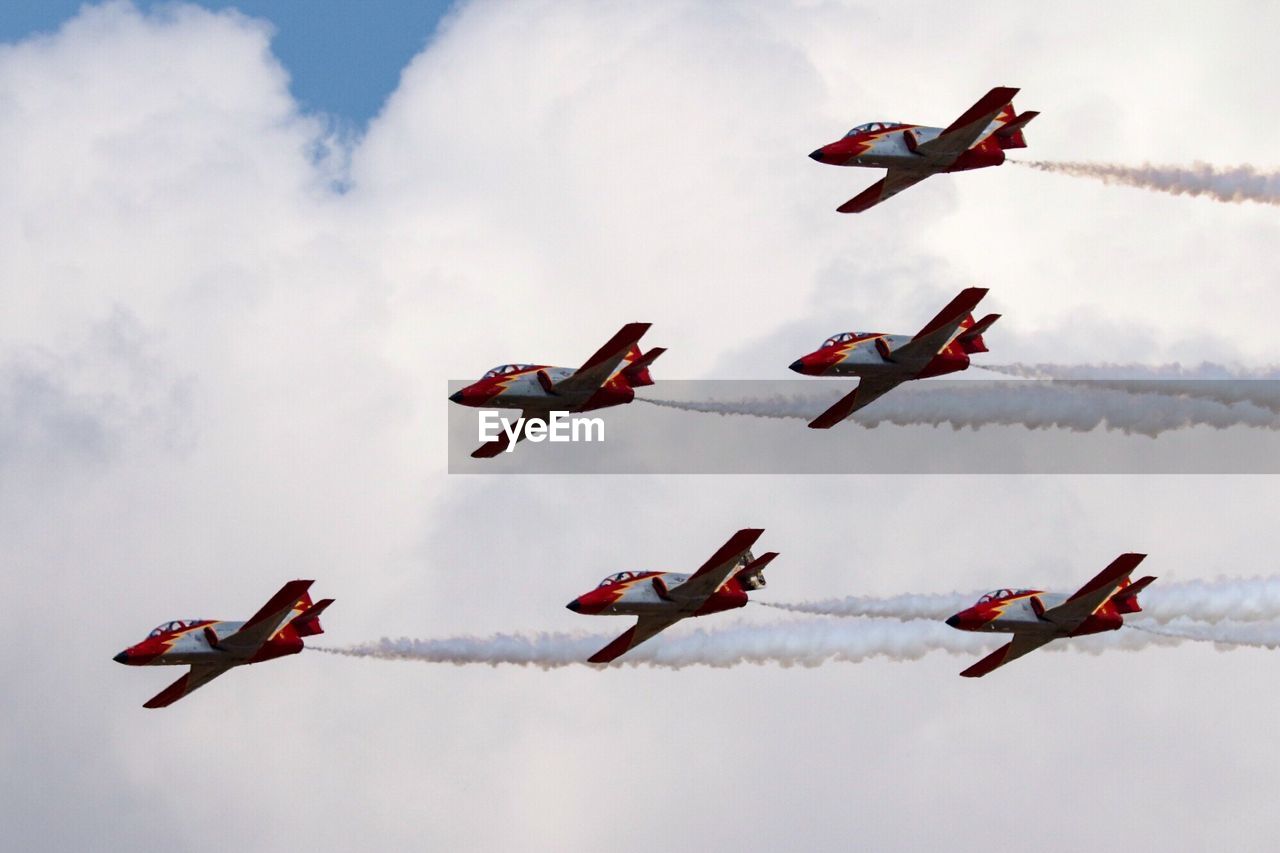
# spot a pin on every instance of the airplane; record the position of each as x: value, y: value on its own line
x: 913, y: 152
x: 1035, y: 618
x: 661, y: 599
x: 883, y: 362
x: 211, y: 647
x: 537, y: 389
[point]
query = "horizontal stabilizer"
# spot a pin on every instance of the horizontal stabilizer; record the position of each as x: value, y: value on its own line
x: 749, y: 576
x: 1126, y: 598
x: 307, y: 623
x: 1011, y: 136
x: 970, y: 339
x: 637, y: 372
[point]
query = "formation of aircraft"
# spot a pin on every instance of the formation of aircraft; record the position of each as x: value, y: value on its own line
x: 211, y: 647
x: 912, y: 152
x: 608, y: 378
x: 1036, y: 618
x: 882, y: 362
x: 661, y: 599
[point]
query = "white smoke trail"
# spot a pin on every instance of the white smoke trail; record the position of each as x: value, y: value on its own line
x: 807, y: 643
x: 1254, y: 599
x: 1205, y: 370
x: 1240, y: 183
x: 1225, y: 634
x: 1216, y: 382
x: 905, y: 608
x: 1034, y: 405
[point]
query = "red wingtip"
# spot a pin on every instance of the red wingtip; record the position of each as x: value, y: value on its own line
x: 490, y: 449
x: 988, y: 103
x: 615, y: 649
x: 864, y: 200
x: 987, y: 664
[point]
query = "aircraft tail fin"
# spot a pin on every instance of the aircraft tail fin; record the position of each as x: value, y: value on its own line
x: 307, y: 623
x: 751, y: 575
x: 636, y: 373
x: 970, y: 339
x: 1126, y: 598
x: 1010, y: 136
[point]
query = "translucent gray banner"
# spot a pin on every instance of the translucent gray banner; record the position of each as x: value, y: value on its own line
x: 926, y: 427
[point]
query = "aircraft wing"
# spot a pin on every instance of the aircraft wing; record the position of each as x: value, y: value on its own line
x: 1021, y: 645
x: 597, y: 369
x: 886, y: 188
x: 939, y: 331
x: 946, y: 147
x: 645, y: 627
x: 193, y: 679
x: 263, y: 624
x: 712, y: 574
x: 490, y: 449
x: 868, y: 390
x: 1080, y: 606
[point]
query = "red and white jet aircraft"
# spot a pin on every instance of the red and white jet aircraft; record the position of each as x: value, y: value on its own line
x: 886, y: 361
x: 537, y: 390
x: 661, y: 599
x: 912, y: 152
x: 1035, y: 618
x: 211, y: 647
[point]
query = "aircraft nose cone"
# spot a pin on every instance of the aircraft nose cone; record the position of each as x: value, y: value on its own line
x: 575, y: 606
x: 123, y: 657
x: 456, y: 397
x: 797, y: 365
x: 954, y: 621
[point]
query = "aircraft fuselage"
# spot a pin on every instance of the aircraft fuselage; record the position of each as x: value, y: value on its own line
x: 191, y: 645
x: 645, y: 594
x: 1016, y: 614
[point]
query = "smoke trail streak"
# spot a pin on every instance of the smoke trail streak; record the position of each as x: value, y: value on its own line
x: 1034, y: 405
x: 807, y: 643
x: 1226, y: 634
x: 1254, y: 599
x: 1204, y: 371
x: 1225, y: 385
x: 1240, y: 183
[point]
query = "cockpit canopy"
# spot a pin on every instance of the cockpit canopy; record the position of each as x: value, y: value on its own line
x: 175, y: 625
x: 504, y: 369
x: 842, y: 338
x: 619, y: 578
x: 873, y: 126
x: 996, y: 595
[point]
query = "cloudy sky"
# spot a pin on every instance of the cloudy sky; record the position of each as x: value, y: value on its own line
x: 231, y: 307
